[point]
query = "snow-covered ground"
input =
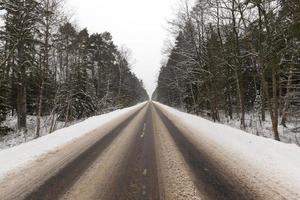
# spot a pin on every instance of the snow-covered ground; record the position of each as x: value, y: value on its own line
x: 259, y: 160
x: 18, y: 156
x: 289, y: 134
x: 14, y: 138
x: 254, y: 125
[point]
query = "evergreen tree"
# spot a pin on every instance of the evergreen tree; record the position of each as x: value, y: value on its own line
x: 20, y: 27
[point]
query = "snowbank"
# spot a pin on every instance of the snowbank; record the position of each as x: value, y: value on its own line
x: 18, y: 156
x: 278, y: 161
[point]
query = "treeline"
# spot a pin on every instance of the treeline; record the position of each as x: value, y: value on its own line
x: 49, y: 67
x: 235, y: 57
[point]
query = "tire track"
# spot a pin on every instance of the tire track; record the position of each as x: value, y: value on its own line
x: 67, y: 176
x: 208, y: 179
x: 51, y: 175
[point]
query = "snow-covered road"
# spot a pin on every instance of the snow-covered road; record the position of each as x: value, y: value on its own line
x: 150, y: 151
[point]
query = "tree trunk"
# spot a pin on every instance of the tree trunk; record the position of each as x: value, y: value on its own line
x: 39, y: 113
x: 240, y: 86
x: 120, y: 82
x: 21, y: 105
x: 263, y: 104
x: 21, y: 89
x: 275, y: 103
x: 272, y: 103
x: 44, y: 68
x: 287, y: 99
x: 261, y: 66
x: 67, y: 114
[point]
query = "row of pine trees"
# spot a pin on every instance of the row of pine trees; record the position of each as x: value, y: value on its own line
x: 49, y: 67
x: 235, y: 57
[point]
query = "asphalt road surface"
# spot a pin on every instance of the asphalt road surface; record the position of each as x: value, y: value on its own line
x: 145, y: 156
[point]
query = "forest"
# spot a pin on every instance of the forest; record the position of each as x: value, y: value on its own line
x: 50, y: 67
x: 235, y: 59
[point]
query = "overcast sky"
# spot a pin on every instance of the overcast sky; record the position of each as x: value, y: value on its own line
x: 138, y: 24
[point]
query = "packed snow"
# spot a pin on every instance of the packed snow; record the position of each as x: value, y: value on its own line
x: 18, y: 156
x: 268, y: 157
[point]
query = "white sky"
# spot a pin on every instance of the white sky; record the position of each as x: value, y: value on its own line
x: 138, y: 24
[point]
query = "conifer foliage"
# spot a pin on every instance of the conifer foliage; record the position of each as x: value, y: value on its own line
x: 235, y: 57
x: 49, y: 67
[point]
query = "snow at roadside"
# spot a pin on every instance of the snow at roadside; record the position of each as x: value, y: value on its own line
x: 256, y: 126
x: 14, y: 137
x: 267, y: 157
x: 18, y: 156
